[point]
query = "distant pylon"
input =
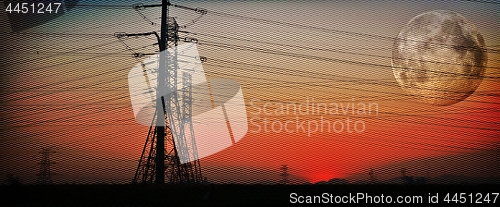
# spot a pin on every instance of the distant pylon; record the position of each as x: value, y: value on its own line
x: 426, y: 170
x: 45, y: 175
x: 403, y: 172
x: 371, y: 173
x: 284, y: 174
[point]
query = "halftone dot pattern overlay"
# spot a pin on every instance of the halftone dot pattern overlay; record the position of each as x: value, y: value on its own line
x: 317, y: 79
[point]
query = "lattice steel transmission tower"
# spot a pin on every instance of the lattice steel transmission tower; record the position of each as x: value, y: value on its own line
x: 161, y: 151
x: 284, y: 174
x: 45, y: 175
x: 371, y: 173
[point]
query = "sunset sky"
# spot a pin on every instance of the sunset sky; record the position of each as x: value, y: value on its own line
x: 64, y: 85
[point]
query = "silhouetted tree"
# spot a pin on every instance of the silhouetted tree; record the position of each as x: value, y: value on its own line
x: 408, y: 180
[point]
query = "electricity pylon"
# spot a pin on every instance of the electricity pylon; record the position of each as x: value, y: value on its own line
x: 284, y: 174
x: 371, y: 173
x: 162, y: 154
x: 45, y: 175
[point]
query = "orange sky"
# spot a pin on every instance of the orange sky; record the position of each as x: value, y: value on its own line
x: 56, y: 100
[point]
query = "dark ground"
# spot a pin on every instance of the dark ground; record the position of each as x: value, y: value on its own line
x: 209, y: 195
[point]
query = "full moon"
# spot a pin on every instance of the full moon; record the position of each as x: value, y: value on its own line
x: 439, y: 57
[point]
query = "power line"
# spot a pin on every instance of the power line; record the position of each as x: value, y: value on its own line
x: 72, y: 80
x: 118, y: 79
x: 71, y: 106
x: 482, y: 1
x: 365, y: 90
x: 66, y: 117
x: 296, y: 25
x: 301, y: 47
x: 312, y: 57
x: 322, y: 76
x: 104, y: 6
x: 320, y: 49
